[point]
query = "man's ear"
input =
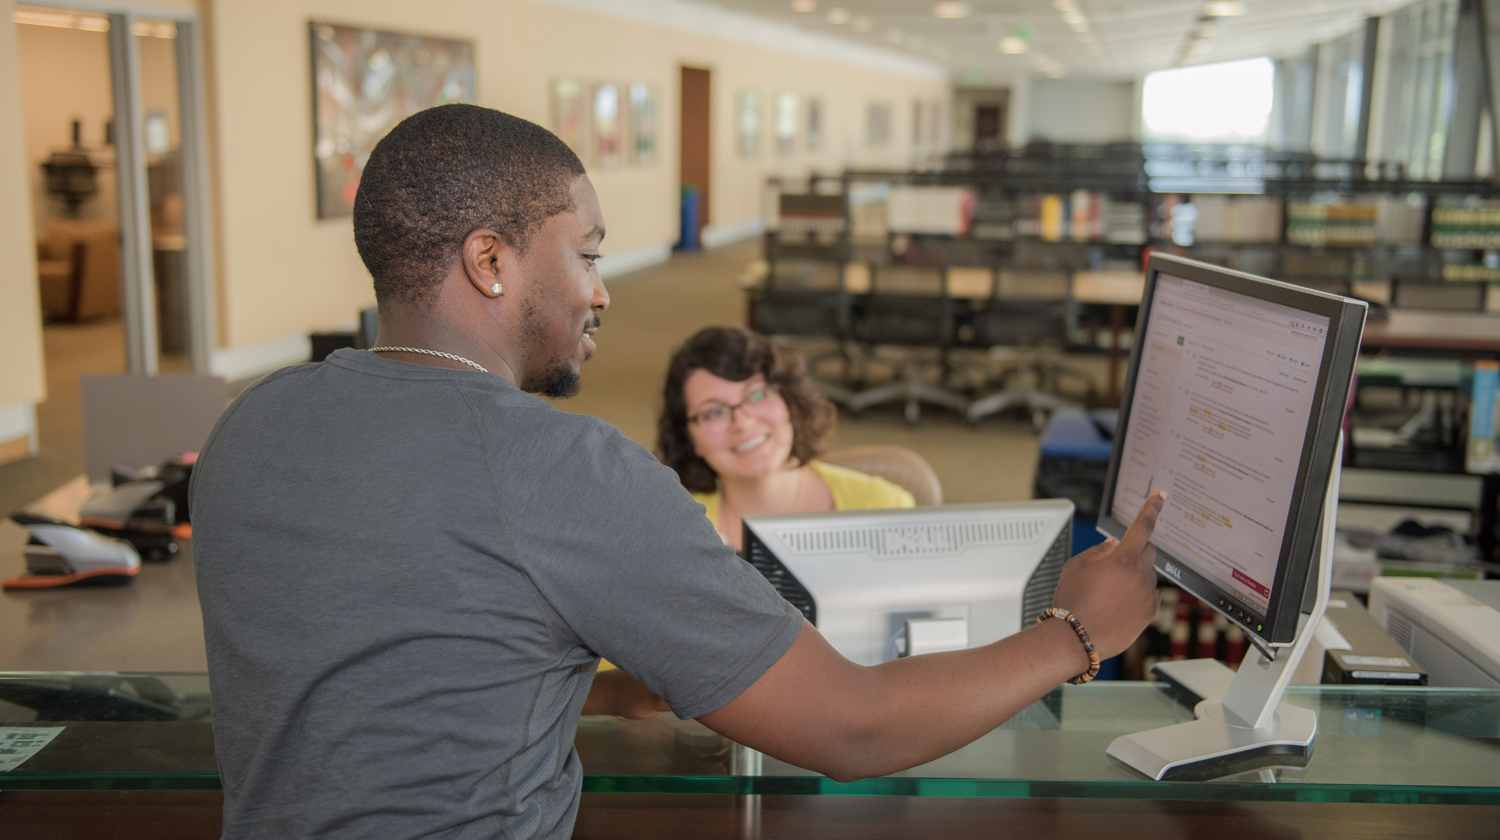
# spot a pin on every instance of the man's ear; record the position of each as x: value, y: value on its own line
x: 488, y: 261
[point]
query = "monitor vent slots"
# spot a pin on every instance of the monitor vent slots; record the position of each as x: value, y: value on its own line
x: 781, y: 578
x: 1043, y: 582
x: 935, y: 540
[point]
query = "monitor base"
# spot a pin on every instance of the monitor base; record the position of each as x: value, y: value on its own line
x: 1214, y: 744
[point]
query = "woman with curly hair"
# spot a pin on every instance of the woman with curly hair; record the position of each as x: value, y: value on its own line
x: 742, y: 425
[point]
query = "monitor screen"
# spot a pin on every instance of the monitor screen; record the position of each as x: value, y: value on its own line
x: 1233, y: 405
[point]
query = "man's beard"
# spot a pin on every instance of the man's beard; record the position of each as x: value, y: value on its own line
x: 558, y: 381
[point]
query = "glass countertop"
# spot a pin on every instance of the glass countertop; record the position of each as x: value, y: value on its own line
x: 1375, y: 744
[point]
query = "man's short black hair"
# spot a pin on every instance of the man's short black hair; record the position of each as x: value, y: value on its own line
x: 444, y: 173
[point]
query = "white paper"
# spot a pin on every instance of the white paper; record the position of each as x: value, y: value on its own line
x: 1377, y: 661
x: 18, y: 743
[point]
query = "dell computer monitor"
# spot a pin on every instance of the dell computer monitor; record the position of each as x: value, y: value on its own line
x: 880, y: 584
x: 1233, y: 402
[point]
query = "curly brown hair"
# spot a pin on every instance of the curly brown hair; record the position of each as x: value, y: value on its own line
x: 736, y: 354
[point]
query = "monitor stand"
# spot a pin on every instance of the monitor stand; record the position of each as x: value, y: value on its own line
x: 1241, y: 716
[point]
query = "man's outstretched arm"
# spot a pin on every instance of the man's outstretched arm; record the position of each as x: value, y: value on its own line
x: 818, y: 710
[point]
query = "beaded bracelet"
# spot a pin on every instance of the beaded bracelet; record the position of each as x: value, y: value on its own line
x: 1083, y: 636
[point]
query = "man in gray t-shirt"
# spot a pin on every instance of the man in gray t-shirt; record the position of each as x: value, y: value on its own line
x: 409, y: 566
x: 401, y: 637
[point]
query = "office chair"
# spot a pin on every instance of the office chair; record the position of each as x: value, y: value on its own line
x: 1025, y: 334
x: 908, y: 321
x: 896, y: 464
x: 808, y: 300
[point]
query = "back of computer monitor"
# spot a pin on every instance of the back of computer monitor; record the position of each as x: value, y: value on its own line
x: 978, y: 572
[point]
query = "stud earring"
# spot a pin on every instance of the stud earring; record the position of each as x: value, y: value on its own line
x: 495, y: 289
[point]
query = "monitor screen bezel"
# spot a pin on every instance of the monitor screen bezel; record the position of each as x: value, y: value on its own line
x: 1278, y: 624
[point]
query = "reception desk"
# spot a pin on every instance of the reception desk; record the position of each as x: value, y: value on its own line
x: 1425, y: 758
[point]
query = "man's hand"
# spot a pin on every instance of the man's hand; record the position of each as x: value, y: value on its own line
x: 818, y: 710
x: 1112, y: 586
x: 617, y: 693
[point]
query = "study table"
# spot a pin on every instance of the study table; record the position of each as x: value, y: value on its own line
x: 1423, y: 759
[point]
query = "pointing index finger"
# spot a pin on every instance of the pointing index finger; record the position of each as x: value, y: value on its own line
x: 1140, y: 530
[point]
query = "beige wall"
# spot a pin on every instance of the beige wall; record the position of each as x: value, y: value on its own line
x: 21, y: 378
x: 285, y: 272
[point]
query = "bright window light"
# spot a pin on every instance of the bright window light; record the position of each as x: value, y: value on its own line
x: 1224, y: 103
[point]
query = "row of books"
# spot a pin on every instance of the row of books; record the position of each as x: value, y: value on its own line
x: 1471, y: 274
x: 1237, y: 218
x: 1466, y: 227
x: 1385, y: 221
x: 1081, y: 216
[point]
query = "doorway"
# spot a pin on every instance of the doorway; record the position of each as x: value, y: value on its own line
x: 989, y: 127
x: 112, y: 110
x: 693, y: 154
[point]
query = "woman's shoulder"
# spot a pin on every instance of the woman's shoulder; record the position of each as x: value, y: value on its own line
x: 854, y: 490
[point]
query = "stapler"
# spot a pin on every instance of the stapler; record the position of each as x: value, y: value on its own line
x: 61, y: 554
x: 137, y: 512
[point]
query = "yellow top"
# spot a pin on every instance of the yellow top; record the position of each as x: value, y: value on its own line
x: 852, y: 490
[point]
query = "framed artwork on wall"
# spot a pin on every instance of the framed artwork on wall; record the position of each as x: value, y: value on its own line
x: 364, y: 82
x: 748, y: 122
x: 570, y: 114
x: 643, y: 123
x: 814, y: 125
x: 608, y: 116
x: 878, y: 124
x: 784, y: 122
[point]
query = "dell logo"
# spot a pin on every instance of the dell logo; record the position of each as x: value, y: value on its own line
x: 1173, y: 570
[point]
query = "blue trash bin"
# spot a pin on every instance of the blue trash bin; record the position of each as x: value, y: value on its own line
x: 691, y: 213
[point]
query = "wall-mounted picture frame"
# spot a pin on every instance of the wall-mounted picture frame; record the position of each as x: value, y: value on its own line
x: 644, y: 123
x: 878, y: 124
x: 608, y: 117
x: 570, y: 114
x: 749, y: 122
x: 814, y: 131
x: 364, y: 82
x: 785, y: 117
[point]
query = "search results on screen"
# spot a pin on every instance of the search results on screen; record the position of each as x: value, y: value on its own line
x: 1219, y: 414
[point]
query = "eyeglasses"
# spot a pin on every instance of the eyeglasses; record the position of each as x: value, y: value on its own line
x: 718, y: 417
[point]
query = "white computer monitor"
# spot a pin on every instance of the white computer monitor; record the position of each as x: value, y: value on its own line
x: 879, y: 584
x: 1234, y: 402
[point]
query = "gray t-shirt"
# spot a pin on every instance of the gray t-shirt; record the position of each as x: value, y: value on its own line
x: 408, y: 575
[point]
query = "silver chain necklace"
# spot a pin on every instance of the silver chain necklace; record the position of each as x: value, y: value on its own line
x: 474, y: 365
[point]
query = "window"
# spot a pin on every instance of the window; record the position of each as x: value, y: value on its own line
x: 1214, y: 103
